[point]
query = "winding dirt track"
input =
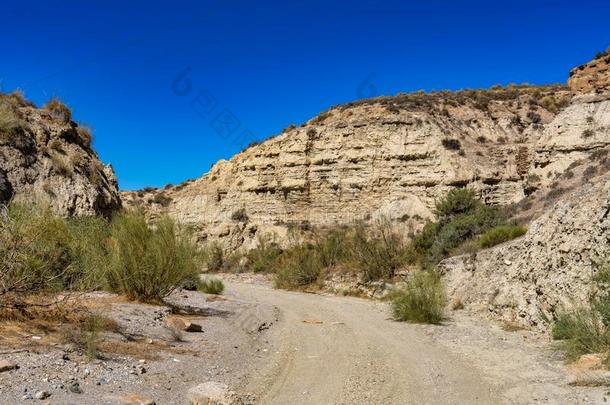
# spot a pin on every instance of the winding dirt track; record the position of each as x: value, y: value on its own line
x: 356, y: 356
x: 344, y: 350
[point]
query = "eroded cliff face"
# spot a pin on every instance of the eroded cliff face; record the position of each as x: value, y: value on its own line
x: 592, y: 77
x: 391, y: 157
x: 47, y: 158
x: 526, y: 282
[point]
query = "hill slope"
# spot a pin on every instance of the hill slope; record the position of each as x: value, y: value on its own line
x: 393, y: 157
x: 46, y: 157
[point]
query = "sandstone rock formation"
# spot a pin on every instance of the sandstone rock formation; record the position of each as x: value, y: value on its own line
x: 46, y: 157
x: 391, y: 157
x: 527, y: 281
x: 592, y: 77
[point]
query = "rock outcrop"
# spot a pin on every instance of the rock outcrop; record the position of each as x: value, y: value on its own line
x: 526, y: 282
x: 592, y: 77
x: 47, y: 158
x: 391, y: 157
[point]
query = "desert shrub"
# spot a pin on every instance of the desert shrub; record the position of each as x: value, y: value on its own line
x: 321, y: 117
x: 451, y: 144
x: 162, y: 199
x: 422, y: 300
x: 297, y: 267
x: 240, y: 215
x: 588, y: 133
x: 86, y: 334
x: 585, y: 328
x: 534, y: 117
x: 58, y: 110
x: 214, y: 257
x: 460, y: 218
x: 376, y: 253
x: 147, y: 263
x: 263, y: 258
x: 85, y: 136
x: 61, y: 165
x: 481, y: 139
x: 40, y: 252
x: 501, y: 234
x: 10, y: 122
x: 211, y: 286
x: 457, y: 201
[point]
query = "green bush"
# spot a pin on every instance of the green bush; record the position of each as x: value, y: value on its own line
x: 376, y: 253
x: 461, y: 218
x: 422, y: 300
x: 501, y: 234
x: 262, y: 259
x: 581, y: 331
x: 211, y: 286
x: 42, y: 252
x: 297, y: 267
x: 214, y: 257
x: 148, y: 263
x: 586, y: 329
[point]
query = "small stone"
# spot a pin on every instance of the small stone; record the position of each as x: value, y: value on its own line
x: 212, y: 393
x: 42, y: 395
x: 183, y: 324
x: 27, y: 397
x: 75, y: 387
x: 6, y: 365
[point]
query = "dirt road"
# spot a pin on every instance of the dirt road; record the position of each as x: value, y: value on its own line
x: 343, y: 350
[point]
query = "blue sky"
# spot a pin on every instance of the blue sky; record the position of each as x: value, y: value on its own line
x: 163, y: 84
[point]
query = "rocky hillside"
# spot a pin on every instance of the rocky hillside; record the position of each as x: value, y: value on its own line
x: 592, y: 77
x: 527, y: 281
x: 46, y: 157
x: 393, y: 157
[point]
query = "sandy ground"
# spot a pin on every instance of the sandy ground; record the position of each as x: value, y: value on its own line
x: 279, y: 347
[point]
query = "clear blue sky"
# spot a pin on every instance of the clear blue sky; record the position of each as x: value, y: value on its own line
x: 268, y: 64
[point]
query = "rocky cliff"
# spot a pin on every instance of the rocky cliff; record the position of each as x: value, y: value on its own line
x: 592, y: 77
x: 393, y: 157
x: 527, y: 281
x: 46, y: 157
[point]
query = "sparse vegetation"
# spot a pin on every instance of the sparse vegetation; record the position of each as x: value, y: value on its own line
x: 501, y: 234
x: 534, y: 117
x: 451, y: 144
x: 85, y: 136
x: 422, y: 300
x: 297, y: 267
x: 61, y: 165
x: 240, y: 215
x: 147, y: 263
x: 58, y: 110
x: 588, y: 133
x: 10, y: 123
x: 40, y: 252
x: 460, y: 218
x: 161, y: 199
x: 585, y: 329
x: 211, y: 286
x: 214, y: 257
